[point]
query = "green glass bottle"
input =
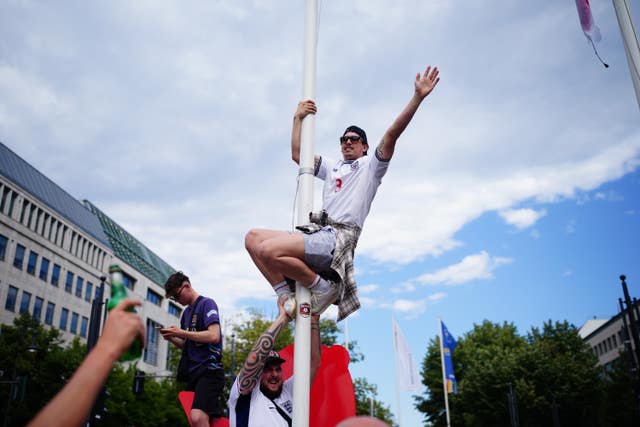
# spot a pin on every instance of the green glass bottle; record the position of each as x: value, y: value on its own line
x: 118, y: 293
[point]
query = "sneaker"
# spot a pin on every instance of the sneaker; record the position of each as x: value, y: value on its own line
x: 320, y: 301
x: 289, y: 303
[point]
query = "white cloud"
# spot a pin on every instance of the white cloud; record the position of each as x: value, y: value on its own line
x: 438, y: 296
x: 472, y: 267
x: 367, y: 289
x: 175, y: 121
x: 403, y: 287
x: 522, y: 218
x: 570, y: 228
x: 410, y: 307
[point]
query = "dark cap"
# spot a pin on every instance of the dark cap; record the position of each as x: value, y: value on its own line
x: 356, y: 129
x: 273, y: 357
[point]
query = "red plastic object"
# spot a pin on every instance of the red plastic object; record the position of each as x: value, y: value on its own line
x: 332, y: 394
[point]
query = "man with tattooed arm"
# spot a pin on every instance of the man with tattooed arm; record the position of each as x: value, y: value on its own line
x: 259, y: 397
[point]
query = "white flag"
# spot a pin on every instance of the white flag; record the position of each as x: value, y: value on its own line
x: 406, y: 372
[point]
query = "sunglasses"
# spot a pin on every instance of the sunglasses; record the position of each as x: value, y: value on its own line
x: 352, y: 138
x: 175, y: 296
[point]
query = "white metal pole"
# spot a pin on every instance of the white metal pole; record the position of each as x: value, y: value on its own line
x: 395, y: 367
x: 346, y: 335
x: 630, y: 41
x: 302, y: 352
x: 444, y: 376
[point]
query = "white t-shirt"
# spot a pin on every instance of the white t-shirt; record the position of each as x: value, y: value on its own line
x: 350, y: 186
x: 257, y: 410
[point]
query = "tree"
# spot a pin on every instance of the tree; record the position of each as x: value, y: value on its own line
x: 35, y: 355
x: 558, y: 372
x: 550, y: 367
x: 366, y: 395
x: 618, y: 406
x: 483, y: 362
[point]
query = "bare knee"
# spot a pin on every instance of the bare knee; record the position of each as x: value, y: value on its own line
x: 251, y: 240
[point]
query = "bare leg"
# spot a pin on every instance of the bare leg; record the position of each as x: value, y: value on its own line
x: 278, y: 254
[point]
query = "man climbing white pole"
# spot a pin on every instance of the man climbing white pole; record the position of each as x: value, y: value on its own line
x: 321, y: 258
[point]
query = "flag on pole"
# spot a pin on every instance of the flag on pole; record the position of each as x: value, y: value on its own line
x: 590, y: 29
x: 407, y: 373
x: 448, y: 345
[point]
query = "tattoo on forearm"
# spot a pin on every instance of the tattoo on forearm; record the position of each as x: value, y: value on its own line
x: 379, y: 149
x: 252, y: 368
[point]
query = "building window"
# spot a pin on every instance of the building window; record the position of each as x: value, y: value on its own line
x: 74, y: 323
x: 79, y: 286
x: 55, y: 275
x: 87, y: 291
x: 64, y: 316
x: 83, y: 327
x: 5, y: 192
x: 129, y: 282
x: 31, y: 265
x: 151, y: 346
x: 154, y: 297
x: 48, y: 315
x: 44, y: 269
x: 37, y: 308
x: 3, y: 246
x: 615, y: 341
x: 18, y: 259
x: 14, y: 196
x: 25, y: 205
x: 12, y: 297
x: 174, y: 310
x: 25, y: 302
x: 68, y: 286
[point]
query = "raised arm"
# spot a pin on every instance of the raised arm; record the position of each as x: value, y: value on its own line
x: 249, y: 375
x: 304, y: 108
x: 423, y: 86
x: 72, y: 404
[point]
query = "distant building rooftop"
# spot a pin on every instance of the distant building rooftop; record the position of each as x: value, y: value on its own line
x: 590, y: 326
x: 21, y: 173
x: 131, y: 250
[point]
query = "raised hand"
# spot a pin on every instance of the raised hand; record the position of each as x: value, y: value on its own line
x: 305, y: 108
x: 121, y: 328
x: 424, y: 84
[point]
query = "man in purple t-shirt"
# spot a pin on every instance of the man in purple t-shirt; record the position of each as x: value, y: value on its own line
x: 199, y: 335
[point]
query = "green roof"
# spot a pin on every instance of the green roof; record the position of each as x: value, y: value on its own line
x: 131, y: 250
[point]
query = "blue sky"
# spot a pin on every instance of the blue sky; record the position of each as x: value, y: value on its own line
x: 512, y: 196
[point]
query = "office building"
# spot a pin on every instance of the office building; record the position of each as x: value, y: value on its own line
x: 54, y: 249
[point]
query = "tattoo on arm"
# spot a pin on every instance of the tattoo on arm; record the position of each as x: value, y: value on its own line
x: 249, y: 376
x: 316, y: 164
x: 379, y: 149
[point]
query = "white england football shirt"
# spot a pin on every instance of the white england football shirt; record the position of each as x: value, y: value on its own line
x: 256, y: 410
x: 350, y: 186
